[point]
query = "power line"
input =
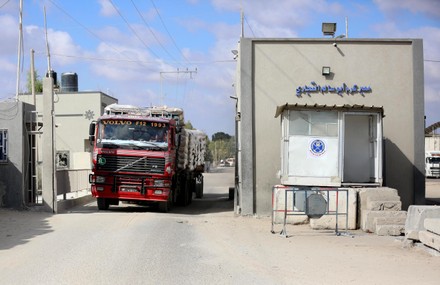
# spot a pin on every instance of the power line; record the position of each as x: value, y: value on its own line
x: 129, y: 60
x: 84, y: 27
x: 252, y: 31
x: 168, y: 32
x: 133, y: 30
x: 4, y: 4
x: 151, y: 31
x: 431, y: 60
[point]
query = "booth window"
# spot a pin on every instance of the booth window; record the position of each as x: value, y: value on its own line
x: 3, y: 146
x: 312, y: 123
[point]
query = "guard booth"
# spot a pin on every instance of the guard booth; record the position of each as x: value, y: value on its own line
x: 331, y: 146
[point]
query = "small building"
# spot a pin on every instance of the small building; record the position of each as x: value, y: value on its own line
x: 21, y: 143
x: 16, y: 176
x: 357, y: 104
x: 74, y: 112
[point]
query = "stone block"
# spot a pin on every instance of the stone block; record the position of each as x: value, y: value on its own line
x: 369, y: 221
x: 329, y: 221
x: 432, y: 225
x: 430, y: 239
x: 280, y: 204
x: 390, y: 230
x: 390, y: 221
x: 416, y: 217
x: 375, y: 194
x: 383, y: 205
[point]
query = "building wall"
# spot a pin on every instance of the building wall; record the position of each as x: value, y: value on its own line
x: 272, y: 70
x: 73, y: 114
x: 12, y: 173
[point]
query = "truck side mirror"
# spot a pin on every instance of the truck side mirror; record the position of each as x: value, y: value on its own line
x: 92, y: 132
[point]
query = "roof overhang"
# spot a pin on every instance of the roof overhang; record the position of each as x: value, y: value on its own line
x: 346, y: 108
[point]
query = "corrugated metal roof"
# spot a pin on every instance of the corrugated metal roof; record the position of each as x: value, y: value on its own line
x: 345, y: 107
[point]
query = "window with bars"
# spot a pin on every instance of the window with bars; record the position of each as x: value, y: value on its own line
x: 3, y: 146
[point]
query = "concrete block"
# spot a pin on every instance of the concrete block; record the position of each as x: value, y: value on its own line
x: 390, y: 230
x: 432, y: 225
x: 329, y: 221
x: 384, y: 205
x: 280, y: 204
x: 375, y: 194
x: 416, y: 217
x: 390, y: 221
x: 430, y: 239
x: 369, y: 220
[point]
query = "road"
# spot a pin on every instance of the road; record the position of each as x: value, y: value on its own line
x: 203, y: 243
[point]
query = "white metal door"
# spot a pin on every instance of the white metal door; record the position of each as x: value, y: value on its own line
x: 362, y: 148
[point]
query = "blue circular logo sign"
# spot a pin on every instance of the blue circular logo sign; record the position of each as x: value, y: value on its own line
x: 317, y: 147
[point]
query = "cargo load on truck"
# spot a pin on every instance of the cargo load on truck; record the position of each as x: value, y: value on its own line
x: 144, y: 155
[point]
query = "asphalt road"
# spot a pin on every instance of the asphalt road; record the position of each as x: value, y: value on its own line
x: 126, y: 245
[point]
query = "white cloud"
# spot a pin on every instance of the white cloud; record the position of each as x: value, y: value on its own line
x: 8, y: 34
x: 106, y: 8
x: 428, y: 7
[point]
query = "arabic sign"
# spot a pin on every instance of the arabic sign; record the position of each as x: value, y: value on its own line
x: 340, y: 90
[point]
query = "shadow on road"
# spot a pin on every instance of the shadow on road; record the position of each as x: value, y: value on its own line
x: 20, y: 227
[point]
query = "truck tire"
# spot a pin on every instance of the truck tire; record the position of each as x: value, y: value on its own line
x: 166, y: 207
x: 199, y: 187
x: 189, y: 190
x: 103, y: 204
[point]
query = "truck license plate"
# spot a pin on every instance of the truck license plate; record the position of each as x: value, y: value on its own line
x: 128, y: 189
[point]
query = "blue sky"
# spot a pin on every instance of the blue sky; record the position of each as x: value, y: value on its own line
x: 143, y: 52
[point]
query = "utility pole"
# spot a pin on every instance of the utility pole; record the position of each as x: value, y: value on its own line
x: 190, y: 72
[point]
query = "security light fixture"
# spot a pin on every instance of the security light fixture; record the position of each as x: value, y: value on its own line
x: 235, y: 53
x: 326, y: 70
x: 329, y: 29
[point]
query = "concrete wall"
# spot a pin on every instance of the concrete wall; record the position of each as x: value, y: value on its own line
x: 12, y: 173
x: 272, y: 69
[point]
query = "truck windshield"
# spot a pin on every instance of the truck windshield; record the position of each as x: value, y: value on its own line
x: 434, y: 159
x: 132, y: 134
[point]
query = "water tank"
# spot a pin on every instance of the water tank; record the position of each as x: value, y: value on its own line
x: 53, y: 75
x: 69, y: 82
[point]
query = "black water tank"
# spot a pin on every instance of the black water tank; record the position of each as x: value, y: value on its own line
x: 53, y: 75
x: 69, y: 82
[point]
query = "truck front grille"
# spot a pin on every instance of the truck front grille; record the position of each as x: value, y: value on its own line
x: 153, y: 165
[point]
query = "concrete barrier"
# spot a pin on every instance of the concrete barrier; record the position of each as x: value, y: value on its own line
x: 433, y: 225
x: 430, y: 239
x: 416, y: 218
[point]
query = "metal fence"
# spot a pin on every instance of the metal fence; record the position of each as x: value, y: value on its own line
x: 305, y: 201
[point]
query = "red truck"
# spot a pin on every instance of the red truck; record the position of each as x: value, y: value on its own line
x: 145, y: 156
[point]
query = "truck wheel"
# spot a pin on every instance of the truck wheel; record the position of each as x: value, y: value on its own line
x: 199, y: 187
x: 103, y: 204
x: 165, y: 207
x: 189, y: 191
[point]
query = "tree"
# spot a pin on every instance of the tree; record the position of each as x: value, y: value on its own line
x: 222, y: 146
x: 189, y: 126
x: 220, y: 136
x: 38, y: 83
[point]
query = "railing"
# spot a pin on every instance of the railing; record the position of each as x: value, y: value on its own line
x: 298, y: 204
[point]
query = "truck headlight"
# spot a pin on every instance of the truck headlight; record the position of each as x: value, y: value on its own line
x: 161, y: 183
